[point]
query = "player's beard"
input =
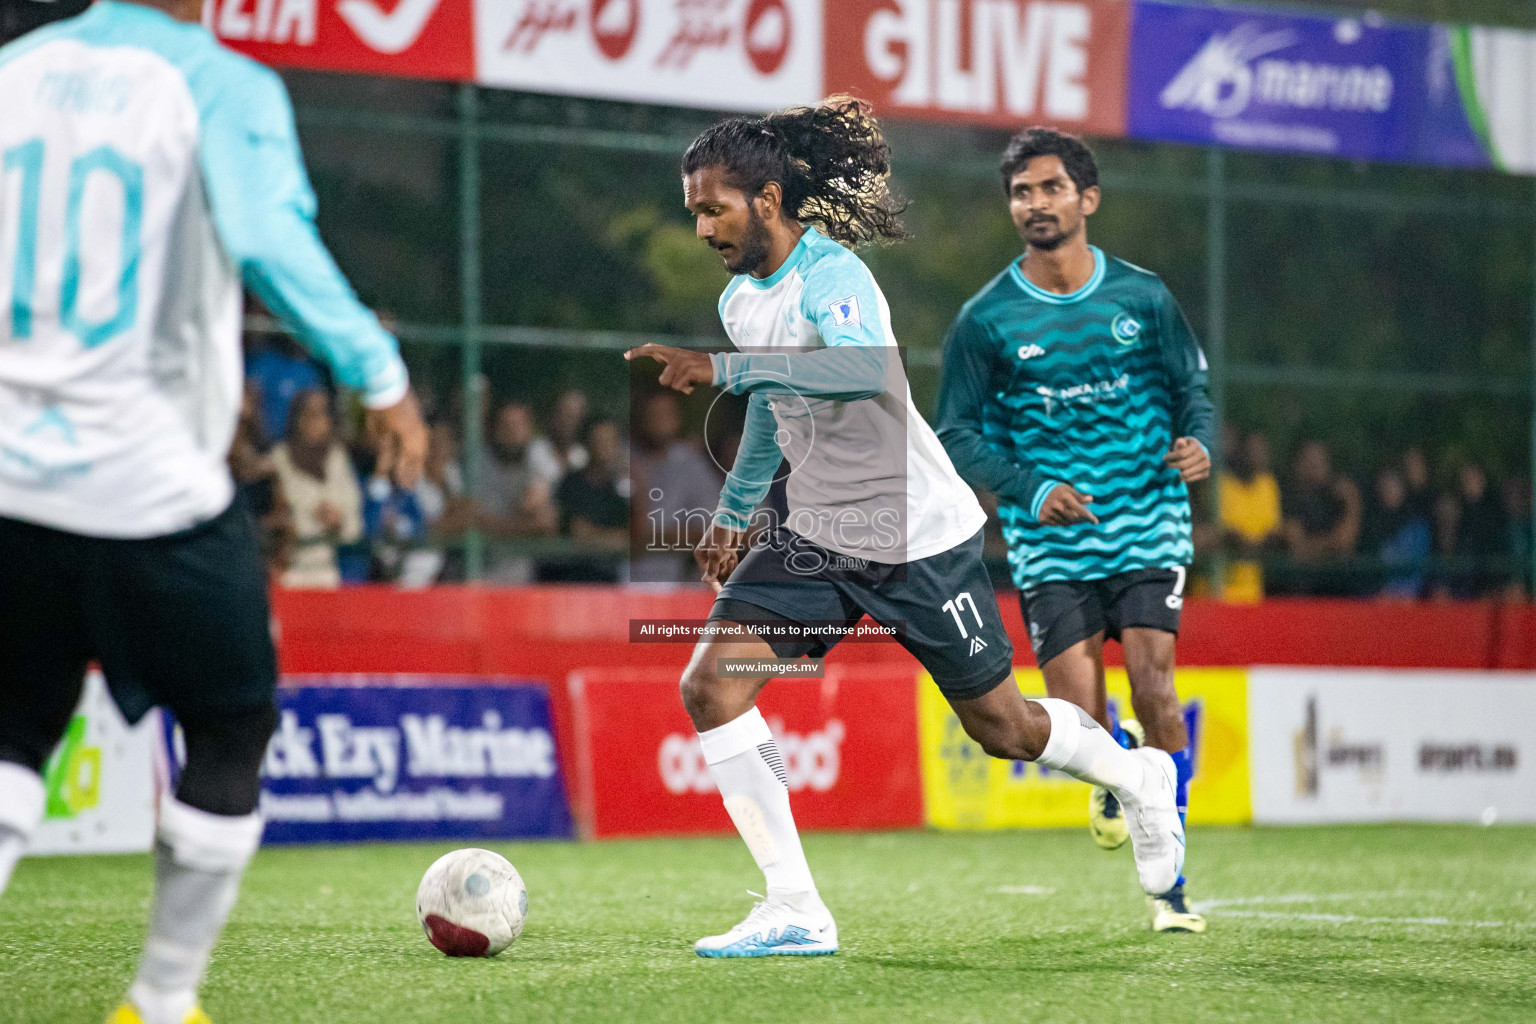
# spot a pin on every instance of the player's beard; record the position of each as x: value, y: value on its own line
x: 1051, y: 242
x: 752, y: 252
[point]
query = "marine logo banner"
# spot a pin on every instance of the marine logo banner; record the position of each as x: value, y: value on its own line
x: 399, y: 758
x: 1346, y: 87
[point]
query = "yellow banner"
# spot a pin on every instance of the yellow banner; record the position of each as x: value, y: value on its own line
x: 963, y: 788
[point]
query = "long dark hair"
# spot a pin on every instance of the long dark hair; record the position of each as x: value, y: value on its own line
x: 831, y: 160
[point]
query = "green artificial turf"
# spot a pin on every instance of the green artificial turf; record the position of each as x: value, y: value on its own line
x: 1400, y: 924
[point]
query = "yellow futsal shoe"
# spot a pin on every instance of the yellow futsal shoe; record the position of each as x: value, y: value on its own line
x: 1171, y: 913
x: 1106, y: 818
x: 126, y: 1014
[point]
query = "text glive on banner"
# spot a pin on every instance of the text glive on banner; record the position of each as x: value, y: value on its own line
x: 1010, y: 63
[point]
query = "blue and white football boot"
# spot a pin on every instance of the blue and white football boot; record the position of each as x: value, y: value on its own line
x: 774, y: 928
x: 1157, y: 834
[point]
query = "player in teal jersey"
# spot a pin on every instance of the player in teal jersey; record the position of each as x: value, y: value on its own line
x: 1075, y: 391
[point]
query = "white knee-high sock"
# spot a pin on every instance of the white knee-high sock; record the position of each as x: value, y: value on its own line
x: 21, y: 809
x: 1080, y: 747
x: 747, y: 768
x: 199, y: 858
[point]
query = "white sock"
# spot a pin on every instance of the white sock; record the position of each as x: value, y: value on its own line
x: 21, y: 809
x: 747, y: 768
x: 199, y: 858
x: 1080, y: 747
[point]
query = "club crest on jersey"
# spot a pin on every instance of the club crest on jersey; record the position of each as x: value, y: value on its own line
x: 1125, y: 328
x: 845, y: 312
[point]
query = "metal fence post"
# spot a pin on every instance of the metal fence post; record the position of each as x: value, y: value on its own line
x: 469, y: 288
x: 1531, y: 569
x: 1216, y: 334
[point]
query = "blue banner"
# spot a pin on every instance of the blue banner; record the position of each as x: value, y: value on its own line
x: 399, y: 758
x: 1347, y: 87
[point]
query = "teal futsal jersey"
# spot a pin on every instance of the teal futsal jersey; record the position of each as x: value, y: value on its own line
x: 1088, y: 389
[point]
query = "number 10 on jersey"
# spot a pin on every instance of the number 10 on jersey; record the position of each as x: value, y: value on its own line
x: 27, y: 161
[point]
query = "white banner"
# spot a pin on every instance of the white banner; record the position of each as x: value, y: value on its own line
x: 100, y: 781
x: 721, y: 54
x: 1348, y: 745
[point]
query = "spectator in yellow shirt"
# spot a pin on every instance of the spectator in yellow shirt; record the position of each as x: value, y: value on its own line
x: 1250, y: 515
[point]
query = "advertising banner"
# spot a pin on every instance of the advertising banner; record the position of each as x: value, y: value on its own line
x: 403, y: 38
x: 1357, y: 745
x: 1495, y: 76
x: 718, y: 54
x: 848, y: 742
x: 1253, y: 79
x: 1006, y: 62
x: 408, y: 757
x: 100, y: 781
x: 965, y: 789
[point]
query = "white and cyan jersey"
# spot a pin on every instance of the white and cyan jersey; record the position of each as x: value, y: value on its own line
x: 868, y: 478
x: 146, y: 173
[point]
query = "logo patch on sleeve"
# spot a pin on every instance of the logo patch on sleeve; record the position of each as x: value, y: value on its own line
x: 845, y: 312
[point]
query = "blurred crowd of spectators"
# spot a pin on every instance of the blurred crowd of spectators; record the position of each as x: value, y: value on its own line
x: 568, y: 496
x: 552, y: 501
x: 1319, y: 532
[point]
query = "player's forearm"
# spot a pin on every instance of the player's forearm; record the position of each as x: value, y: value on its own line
x: 981, y: 465
x: 845, y: 373
x: 1197, y: 417
x: 299, y: 282
x: 757, y: 460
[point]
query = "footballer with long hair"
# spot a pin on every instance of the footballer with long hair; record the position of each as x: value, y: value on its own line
x: 859, y: 508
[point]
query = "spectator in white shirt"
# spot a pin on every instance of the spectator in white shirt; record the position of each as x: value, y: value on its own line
x: 321, y: 489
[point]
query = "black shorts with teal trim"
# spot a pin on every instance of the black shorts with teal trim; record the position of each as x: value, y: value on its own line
x: 1062, y: 613
x: 942, y: 608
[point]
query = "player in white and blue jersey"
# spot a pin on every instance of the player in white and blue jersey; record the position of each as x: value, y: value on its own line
x: 147, y: 175
x: 864, y: 512
x: 1074, y: 390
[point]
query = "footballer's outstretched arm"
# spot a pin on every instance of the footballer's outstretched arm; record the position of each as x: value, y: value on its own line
x: 846, y: 373
x: 264, y: 212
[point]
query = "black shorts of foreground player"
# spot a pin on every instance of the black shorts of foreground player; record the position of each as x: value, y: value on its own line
x: 783, y: 199
x: 1074, y: 390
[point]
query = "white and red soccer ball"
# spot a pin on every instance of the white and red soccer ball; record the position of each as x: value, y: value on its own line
x: 472, y: 903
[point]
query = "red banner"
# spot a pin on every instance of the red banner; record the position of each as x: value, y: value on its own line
x: 405, y: 38
x: 1006, y: 62
x: 849, y: 743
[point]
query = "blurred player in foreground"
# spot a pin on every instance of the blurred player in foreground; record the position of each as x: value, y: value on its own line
x: 148, y: 172
x: 870, y: 518
x: 1074, y: 390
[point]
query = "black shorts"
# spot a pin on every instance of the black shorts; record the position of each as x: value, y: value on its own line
x: 181, y: 621
x: 1062, y: 613
x: 942, y: 608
